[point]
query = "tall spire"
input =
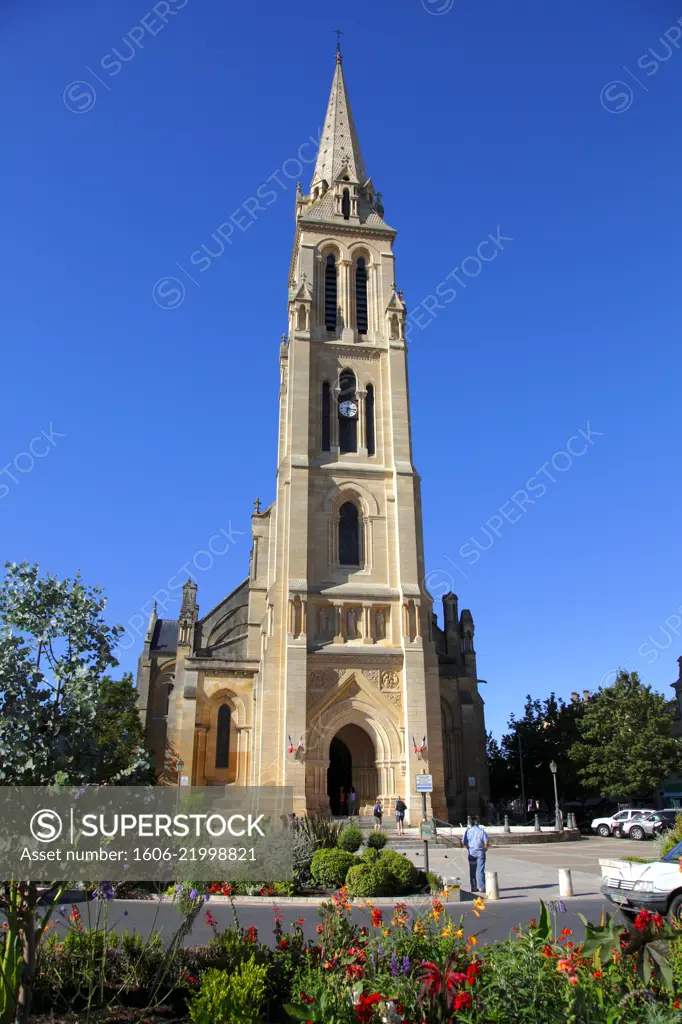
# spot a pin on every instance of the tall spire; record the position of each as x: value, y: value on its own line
x: 339, y: 151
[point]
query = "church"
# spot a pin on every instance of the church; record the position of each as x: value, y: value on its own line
x: 326, y: 667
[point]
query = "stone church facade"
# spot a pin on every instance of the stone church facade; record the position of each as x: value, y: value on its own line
x: 326, y: 667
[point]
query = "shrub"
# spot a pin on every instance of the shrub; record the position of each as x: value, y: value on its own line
x: 350, y: 839
x: 402, y: 870
x: 434, y: 882
x: 323, y: 831
x: 330, y: 867
x: 669, y: 839
x: 225, y: 998
x: 303, y: 849
x: 370, y: 880
x: 370, y: 855
x: 376, y: 840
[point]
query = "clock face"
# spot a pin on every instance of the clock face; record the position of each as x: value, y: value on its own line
x: 349, y: 409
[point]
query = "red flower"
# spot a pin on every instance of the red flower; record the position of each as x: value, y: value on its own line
x: 299, y: 921
x: 677, y: 1004
x: 566, y: 931
x: 252, y: 934
x: 364, y: 1009
x: 596, y: 974
x: 642, y: 920
x: 462, y: 1001
x: 320, y: 929
x: 283, y: 943
x: 657, y: 920
x: 307, y: 999
x: 377, y: 918
x: 354, y: 971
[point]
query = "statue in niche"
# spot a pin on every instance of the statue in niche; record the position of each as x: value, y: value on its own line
x: 324, y: 622
x: 380, y: 624
x: 352, y: 632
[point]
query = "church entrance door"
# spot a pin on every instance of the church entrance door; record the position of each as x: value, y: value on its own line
x: 352, y: 762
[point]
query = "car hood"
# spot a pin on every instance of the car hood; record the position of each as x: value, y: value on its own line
x: 665, y: 875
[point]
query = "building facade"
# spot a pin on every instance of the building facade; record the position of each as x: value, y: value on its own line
x: 326, y: 667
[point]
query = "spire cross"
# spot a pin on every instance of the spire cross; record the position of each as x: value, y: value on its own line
x: 256, y: 506
x: 339, y: 33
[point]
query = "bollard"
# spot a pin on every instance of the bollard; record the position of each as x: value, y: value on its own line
x: 570, y: 820
x: 565, y: 882
x: 506, y: 823
x: 453, y: 890
x: 492, y: 889
x: 537, y: 823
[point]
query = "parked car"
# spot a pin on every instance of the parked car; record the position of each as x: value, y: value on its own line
x: 650, y: 825
x: 656, y: 886
x: 611, y: 826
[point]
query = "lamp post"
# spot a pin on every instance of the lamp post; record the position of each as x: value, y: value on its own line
x: 558, y: 821
x: 179, y: 765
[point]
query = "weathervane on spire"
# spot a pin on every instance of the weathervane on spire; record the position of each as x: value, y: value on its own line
x: 339, y: 33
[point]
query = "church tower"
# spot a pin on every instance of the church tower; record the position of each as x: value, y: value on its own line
x: 328, y: 656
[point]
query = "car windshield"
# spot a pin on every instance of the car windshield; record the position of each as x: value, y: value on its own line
x: 673, y: 854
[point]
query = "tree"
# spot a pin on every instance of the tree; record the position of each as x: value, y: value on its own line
x: 63, y: 721
x: 55, y: 648
x: 626, y: 747
x: 547, y: 731
x: 502, y: 780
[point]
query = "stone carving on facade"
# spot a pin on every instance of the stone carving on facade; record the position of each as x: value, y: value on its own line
x: 325, y: 623
x: 380, y: 625
x: 389, y: 681
x: 371, y: 675
x: 352, y: 630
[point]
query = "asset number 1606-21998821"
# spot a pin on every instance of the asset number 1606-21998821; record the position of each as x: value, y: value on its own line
x: 194, y: 853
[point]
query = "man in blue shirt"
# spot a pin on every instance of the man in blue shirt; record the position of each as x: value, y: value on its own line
x: 476, y: 841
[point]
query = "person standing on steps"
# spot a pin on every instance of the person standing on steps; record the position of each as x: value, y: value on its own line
x: 475, y: 839
x: 378, y: 814
x: 400, y: 809
x: 351, y: 801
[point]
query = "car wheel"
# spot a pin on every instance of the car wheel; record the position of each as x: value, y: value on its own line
x: 637, y: 832
x: 675, y: 910
x: 618, y: 832
x: 604, y: 830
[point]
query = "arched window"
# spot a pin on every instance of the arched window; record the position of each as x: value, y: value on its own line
x: 330, y: 293
x: 222, y: 747
x: 361, y: 295
x: 349, y: 534
x: 348, y: 412
x: 369, y: 420
x: 326, y: 410
x: 345, y: 204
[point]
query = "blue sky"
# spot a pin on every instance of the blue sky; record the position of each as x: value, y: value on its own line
x: 475, y: 118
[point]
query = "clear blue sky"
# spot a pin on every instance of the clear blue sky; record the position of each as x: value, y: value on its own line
x: 484, y: 116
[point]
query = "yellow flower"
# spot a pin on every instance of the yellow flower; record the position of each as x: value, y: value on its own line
x: 386, y: 931
x: 479, y: 903
x: 459, y: 934
x: 472, y: 940
x: 447, y: 932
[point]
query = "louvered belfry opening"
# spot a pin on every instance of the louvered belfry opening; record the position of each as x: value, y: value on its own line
x: 326, y: 410
x: 330, y: 293
x: 369, y: 420
x: 361, y: 295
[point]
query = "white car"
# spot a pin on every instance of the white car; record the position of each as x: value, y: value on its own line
x: 656, y: 886
x: 611, y: 826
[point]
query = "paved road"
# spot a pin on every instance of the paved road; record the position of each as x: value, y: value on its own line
x: 494, y: 923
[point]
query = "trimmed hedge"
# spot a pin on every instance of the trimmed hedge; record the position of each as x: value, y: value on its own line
x: 402, y: 870
x: 370, y: 880
x: 330, y: 867
x: 377, y: 840
x: 350, y: 839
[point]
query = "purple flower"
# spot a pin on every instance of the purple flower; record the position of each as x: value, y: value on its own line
x: 393, y: 966
x: 373, y: 961
x: 562, y: 907
x: 406, y: 965
x: 125, y: 913
x: 381, y: 951
x: 206, y: 897
x: 193, y: 894
x: 178, y: 888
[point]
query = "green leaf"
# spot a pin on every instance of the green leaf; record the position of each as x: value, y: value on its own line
x: 544, y: 929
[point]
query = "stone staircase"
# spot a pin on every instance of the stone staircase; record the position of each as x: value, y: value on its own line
x: 409, y: 841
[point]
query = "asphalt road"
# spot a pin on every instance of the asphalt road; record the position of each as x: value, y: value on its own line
x: 494, y: 923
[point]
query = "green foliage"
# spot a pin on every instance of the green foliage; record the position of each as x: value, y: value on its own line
x: 376, y: 840
x: 119, y: 735
x: 350, y: 839
x: 626, y: 747
x: 547, y: 730
x: 303, y: 849
x: 672, y: 837
x: 434, y: 882
x: 370, y: 880
x: 402, y: 870
x: 329, y: 867
x: 230, y: 998
x: 55, y: 649
x: 323, y: 831
x: 370, y: 855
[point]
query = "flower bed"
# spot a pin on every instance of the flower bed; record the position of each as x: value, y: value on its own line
x: 389, y: 968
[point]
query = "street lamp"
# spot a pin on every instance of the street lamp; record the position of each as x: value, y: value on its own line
x: 558, y: 820
x: 179, y: 765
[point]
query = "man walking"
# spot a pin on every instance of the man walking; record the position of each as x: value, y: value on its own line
x: 476, y: 841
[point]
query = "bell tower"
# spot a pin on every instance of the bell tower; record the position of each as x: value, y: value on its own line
x: 348, y: 652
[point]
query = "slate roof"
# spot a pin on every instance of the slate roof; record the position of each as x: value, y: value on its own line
x: 165, y: 636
